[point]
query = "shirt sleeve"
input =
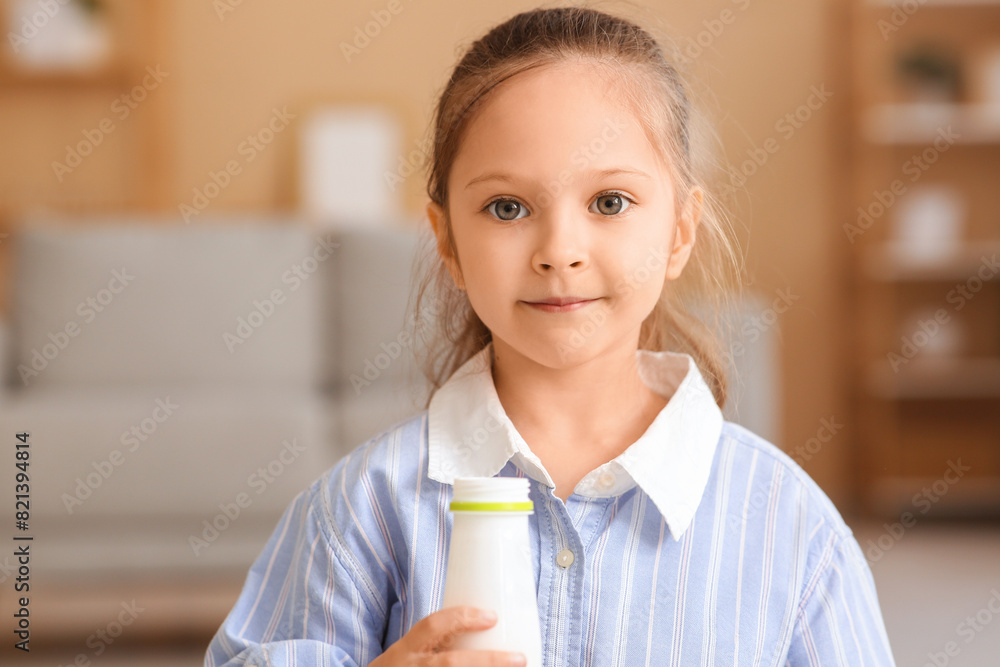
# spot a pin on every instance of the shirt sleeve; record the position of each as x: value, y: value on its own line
x: 300, y: 604
x: 840, y: 622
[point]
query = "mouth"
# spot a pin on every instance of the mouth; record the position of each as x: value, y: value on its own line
x: 561, y: 304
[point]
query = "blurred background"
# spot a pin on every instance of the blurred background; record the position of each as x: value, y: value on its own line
x: 210, y: 214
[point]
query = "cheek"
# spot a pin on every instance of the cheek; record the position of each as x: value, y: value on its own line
x: 487, y: 271
x: 645, y: 270
x: 495, y: 255
x: 482, y: 262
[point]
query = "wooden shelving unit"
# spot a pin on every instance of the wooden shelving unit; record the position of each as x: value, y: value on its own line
x: 937, y: 401
x: 15, y: 79
x: 136, y: 29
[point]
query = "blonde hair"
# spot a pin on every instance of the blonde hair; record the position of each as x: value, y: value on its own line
x: 452, y: 332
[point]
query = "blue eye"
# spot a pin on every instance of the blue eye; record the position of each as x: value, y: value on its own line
x: 509, y: 207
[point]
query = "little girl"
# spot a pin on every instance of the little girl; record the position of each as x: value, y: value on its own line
x: 565, y: 204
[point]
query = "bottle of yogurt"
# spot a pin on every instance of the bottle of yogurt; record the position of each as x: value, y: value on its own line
x: 490, y: 564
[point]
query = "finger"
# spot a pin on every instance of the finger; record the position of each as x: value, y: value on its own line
x: 439, y: 630
x: 480, y: 659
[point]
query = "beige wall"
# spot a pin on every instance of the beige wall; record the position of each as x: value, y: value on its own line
x: 227, y: 74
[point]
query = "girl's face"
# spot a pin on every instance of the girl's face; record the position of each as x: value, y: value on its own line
x: 556, y: 193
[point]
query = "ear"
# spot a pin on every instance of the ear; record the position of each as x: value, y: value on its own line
x: 439, y: 223
x: 684, y: 233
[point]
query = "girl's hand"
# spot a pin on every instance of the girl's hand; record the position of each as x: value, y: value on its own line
x: 428, y: 643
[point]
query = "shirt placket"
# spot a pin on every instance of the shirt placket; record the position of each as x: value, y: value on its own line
x: 559, y: 567
x: 563, y: 567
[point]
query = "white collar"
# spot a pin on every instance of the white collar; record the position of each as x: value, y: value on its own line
x: 470, y: 435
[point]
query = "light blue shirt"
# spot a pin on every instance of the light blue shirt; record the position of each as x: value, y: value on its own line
x: 701, y: 544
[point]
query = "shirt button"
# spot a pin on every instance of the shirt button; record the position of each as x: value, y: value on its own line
x: 606, y: 481
x: 564, y: 558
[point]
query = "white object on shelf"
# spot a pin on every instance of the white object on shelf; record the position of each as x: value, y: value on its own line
x: 57, y: 35
x: 349, y: 174
x: 891, y: 261
x: 928, y: 222
x: 927, y: 123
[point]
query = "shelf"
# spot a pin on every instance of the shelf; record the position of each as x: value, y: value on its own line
x: 936, y: 378
x: 978, y: 495
x: 181, y: 606
x: 106, y: 77
x: 889, y: 262
x: 942, y: 401
x: 923, y: 123
x: 937, y: 3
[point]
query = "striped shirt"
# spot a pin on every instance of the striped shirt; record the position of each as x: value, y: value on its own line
x: 701, y: 544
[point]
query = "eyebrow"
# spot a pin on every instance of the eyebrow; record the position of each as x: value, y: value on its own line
x: 603, y: 173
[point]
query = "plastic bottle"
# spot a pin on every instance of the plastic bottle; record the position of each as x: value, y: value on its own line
x: 490, y: 564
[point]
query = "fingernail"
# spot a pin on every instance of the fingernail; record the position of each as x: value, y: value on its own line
x: 487, y: 615
x: 518, y: 660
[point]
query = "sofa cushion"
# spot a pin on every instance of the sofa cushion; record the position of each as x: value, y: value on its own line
x: 122, y: 301
x: 168, y: 450
x: 373, y: 286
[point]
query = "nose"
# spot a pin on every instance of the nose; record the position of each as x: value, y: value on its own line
x: 561, y: 244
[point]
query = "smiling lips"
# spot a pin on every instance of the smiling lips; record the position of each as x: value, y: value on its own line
x: 561, y: 304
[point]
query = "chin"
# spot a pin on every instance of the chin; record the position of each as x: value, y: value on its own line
x: 570, y: 351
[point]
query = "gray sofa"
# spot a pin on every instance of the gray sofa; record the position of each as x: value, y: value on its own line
x: 181, y: 384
